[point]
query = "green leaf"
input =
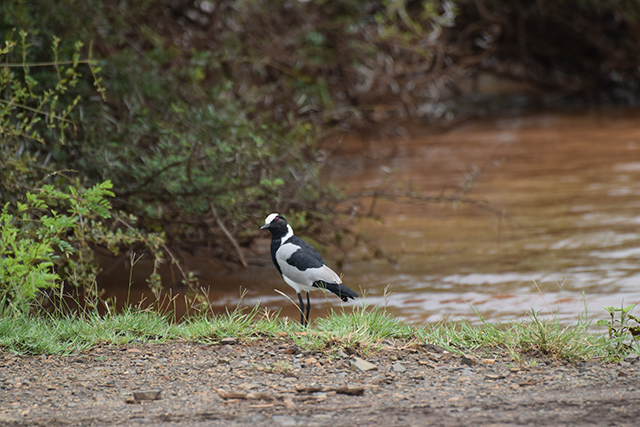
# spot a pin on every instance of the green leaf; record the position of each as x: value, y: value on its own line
x: 628, y: 308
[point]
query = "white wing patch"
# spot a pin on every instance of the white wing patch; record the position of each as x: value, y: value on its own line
x: 304, y: 279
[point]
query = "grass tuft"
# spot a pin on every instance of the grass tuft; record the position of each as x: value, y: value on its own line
x: 520, y: 339
x: 238, y: 323
x: 362, y: 327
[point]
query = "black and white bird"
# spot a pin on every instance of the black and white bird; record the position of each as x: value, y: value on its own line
x: 300, y: 265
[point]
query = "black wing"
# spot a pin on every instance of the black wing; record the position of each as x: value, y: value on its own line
x: 306, y: 257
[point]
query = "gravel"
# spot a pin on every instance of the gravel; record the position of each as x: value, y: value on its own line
x: 272, y: 382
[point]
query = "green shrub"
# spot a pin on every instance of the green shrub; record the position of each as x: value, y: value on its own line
x: 47, y: 242
x: 35, y: 112
x: 208, y: 118
x: 50, y: 223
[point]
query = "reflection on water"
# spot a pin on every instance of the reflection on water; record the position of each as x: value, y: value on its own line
x: 570, y: 184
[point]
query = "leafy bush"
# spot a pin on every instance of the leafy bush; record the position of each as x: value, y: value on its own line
x: 209, y: 119
x: 585, y: 49
x: 34, y: 111
x: 50, y: 223
x: 47, y: 241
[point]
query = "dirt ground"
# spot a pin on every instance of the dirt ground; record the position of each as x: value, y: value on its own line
x: 274, y: 383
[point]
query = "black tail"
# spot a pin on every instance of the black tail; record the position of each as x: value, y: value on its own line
x: 339, y: 289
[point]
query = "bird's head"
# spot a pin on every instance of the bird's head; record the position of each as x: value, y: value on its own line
x: 277, y: 225
x: 274, y: 221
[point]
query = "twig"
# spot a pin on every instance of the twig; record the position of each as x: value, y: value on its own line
x: 185, y: 276
x: 378, y: 250
x: 232, y: 240
x: 350, y: 390
x: 404, y: 196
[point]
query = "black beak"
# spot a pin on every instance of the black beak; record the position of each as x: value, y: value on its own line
x: 264, y: 226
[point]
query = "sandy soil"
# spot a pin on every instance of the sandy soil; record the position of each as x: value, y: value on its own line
x: 274, y: 383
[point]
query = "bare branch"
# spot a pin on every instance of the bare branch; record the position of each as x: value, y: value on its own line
x: 227, y: 233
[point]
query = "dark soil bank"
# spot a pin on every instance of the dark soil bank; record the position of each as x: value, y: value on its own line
x: 274, y: 383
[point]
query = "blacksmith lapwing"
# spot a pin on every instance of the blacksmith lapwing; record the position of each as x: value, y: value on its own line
x: 300, y: 265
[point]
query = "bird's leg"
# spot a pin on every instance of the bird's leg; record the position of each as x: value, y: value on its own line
x: 302, y: 317
x: 308, y: 307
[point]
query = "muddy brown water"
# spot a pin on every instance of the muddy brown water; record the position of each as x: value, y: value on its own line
x: 569, y: 183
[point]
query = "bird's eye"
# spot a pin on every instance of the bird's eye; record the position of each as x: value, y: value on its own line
x: 276, y: 219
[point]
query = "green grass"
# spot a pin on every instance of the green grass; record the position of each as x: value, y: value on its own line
x: 68, y: 334
x: 238, y: 323
x: 363, y: 329
x: 521, y: 339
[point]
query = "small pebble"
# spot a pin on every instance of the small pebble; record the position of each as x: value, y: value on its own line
x: 397, y: 367
x: 146, y: 395
x: 362, y: 365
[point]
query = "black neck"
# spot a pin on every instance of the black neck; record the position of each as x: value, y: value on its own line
x: 279, y: 231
